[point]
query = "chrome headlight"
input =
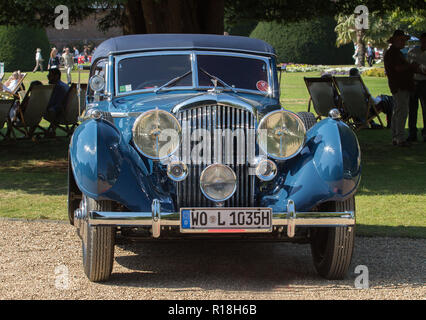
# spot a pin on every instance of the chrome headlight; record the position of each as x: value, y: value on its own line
x: 156, y: 134
x: 96, y: 83
x: 218, y: 182
x: 281, y: 134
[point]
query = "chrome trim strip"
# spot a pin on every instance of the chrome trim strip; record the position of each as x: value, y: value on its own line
x: 125, y: 114
x: 189, y: 231
x: 213, y: 99
x: 346, y: 218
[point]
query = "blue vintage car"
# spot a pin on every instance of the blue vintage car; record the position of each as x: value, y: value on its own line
x: 184, y: 137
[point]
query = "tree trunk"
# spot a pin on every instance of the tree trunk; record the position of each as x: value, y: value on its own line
x: 133, y: 19
x: 183, y: 16
x: 211, y: 16
x: 360, y: 33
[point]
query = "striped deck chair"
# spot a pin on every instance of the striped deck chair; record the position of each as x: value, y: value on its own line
x: 357, y: 102
x: 323, y: 95
x: 31, y: 111
x: 68, y: 120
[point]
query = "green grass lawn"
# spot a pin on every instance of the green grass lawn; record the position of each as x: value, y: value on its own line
x: 391, y: 200
x: 42, y: 76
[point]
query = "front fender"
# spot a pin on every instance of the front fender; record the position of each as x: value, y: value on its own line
x: 95, y: 157
x: 327, y: 169
x: 105, y: 167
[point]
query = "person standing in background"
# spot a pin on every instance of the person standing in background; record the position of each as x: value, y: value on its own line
x: 76, y: 54
x: 370, y: 54
x: 56, y: 103
x: 400, y: 79
x: 355, y: 56
x: 418, y: 55
x: 39, y: 61
x: 54, y: 60
x: 86, y: 53
x: 68, y: 63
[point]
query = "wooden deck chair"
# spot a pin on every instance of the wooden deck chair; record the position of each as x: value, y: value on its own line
x: 83, y: 89
x: 357, y: 102
x: 68, y: 120
x: 323, y: 95
x: 31, y: 111
x: 18, y: 87
x: 5, y: 106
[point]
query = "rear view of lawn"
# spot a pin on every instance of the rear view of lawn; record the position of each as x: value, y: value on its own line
x: 391, y: 200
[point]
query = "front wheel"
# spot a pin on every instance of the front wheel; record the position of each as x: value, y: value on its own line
x: 98, y: 244
x: 332, y: 248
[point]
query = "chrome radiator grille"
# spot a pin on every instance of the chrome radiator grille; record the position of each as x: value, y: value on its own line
x: 230, y: 140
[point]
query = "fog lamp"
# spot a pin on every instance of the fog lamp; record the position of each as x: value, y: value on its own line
x: 177, y: 170
x: 266, y: 170
x: 218, y: 182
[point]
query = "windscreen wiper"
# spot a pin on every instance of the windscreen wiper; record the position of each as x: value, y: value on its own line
x: 173, y: 81
x: 218, y: 79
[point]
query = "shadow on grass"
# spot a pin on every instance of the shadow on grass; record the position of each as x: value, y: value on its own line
x: 48, y: 149
x: 387, y: 169
x: 34, y: 167
x: 390, y: 231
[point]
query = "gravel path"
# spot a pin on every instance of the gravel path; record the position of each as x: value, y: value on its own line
x: 42, y: 260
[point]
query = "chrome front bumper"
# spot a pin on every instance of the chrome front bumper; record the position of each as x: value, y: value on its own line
x: 157, y: 219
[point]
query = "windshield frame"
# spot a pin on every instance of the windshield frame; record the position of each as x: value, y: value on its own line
x: 194, y: 68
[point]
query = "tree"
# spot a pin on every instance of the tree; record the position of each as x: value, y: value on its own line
x: 164, y: 16
x: 347, y: 32
x: 41, y: 13
x: 18, y: 47
x: 413, y: 22
x: 188, y: 16
x: 381, y: 27
x: 296, y: 10
x: 311, y: 42
x: 135, y: 16
x: 273, y: 10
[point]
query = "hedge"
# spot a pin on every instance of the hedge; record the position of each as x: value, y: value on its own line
x: 18, y: 46
x: 308, y: 42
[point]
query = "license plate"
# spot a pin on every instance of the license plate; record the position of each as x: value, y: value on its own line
x: 226, y: 220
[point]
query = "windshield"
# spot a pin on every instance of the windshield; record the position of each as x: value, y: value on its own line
x: 150, y: 72
x: 159, y: 72
x: 238, y: 72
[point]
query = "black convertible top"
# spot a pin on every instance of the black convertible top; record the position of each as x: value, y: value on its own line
x: 154, y: 42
